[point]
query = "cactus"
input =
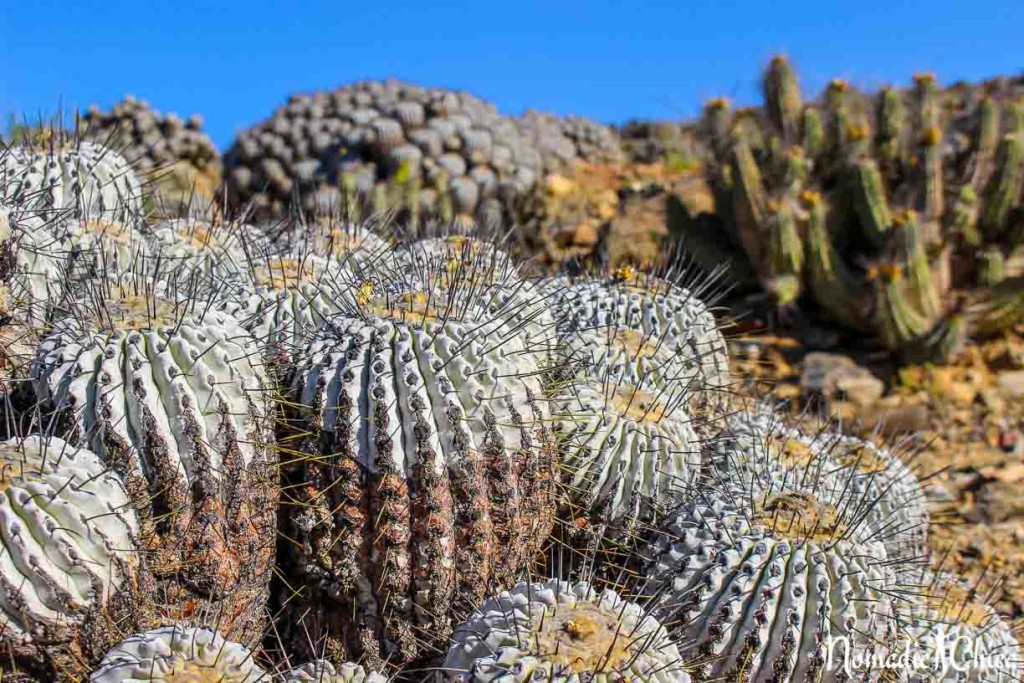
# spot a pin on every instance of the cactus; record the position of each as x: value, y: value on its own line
x: 782, y: 98
x: 323, y: 671
x: 468, y: 477
x: 89, y: 181
x: 69, y: 574
x: 962, y: 176
x: 564, y: 633
x: 1003, y: 189
x: 628, y: 451
x: 173, y: 396
x: 834, y: 286
x: 171, y: 653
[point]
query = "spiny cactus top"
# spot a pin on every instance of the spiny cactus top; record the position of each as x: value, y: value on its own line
x: 175, y: 398
x: 356, y: 244
x: 221, y: 249
x: 33, y: 265
x: 641, y: 328
x: 87, y: 180
x: 286, y: 297
x: 174, y: 654
x: 427, y: 440
x: 562, y: 632
x: 759, y: 587
x: 68, y: 536
x: 627, y: 450
x: 761, y: 453
x: 958, y: 636
x: 323, y: 671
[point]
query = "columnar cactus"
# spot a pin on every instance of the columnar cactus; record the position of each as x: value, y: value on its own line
x: 87, y: 180
x: 69, y: 570
x: 174, y: 398
x: 173, y: 654
x: 885, y: 217
x: 562, y: 632
x: 422, y: 473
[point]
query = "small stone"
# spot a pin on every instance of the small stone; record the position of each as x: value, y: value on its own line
x: 833, y: 376
x: 585, y: 235
x: 1012, y: 383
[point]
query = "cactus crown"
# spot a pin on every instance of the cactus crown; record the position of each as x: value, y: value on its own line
x: 932, y: 136
x: 801, y: 517
x: 717, y: 103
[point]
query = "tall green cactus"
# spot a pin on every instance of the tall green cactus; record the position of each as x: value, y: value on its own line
x: 1003, y: 190
x: 809, y: 218
x: 782, y: 99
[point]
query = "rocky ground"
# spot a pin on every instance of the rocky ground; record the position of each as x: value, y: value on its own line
x: 960, y: 424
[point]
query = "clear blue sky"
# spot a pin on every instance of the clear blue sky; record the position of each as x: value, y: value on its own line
x: 236, y: 61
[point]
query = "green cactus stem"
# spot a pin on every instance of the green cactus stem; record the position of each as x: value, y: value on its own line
x: 814, y: 133
x: 889, y: 141
x: 929, y: 111
x: 999, y: 308
x: 867, y: 192
x: 1015, y: 117
x: 785, y: 251
x: 782, y: 98
x: 986, y: 142
x: 830, y: 281
x: 718, y: 124
x: 962, y: 218
x: 1004, y: 188
x: 749, y: 202
x: 931, y: 153
x: 920, y: 288
x: 897, y: 320
x: 991, y: 266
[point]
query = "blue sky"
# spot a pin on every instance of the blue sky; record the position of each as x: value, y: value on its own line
x: 235, y: 62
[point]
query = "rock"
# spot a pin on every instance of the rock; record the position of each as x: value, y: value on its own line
x: 835, y: 377
x: 896, y: 420
x: 585, y: 235
x: 1011, y: 383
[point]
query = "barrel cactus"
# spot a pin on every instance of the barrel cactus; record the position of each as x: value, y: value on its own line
x: 323, y: 671
x: 69, y: 573
x: 221, y: 249
x: 177, y: 161
x: 559, y: 631
x: 644, y: 329
x: 85, y: 179
x: 959, y: 637
x: 287, y: 297
x: 34, y: 266
x: 880, y: 490
x: 762, y: 584
x: 628, y: 451
x: 173, y: 396
x: 425, y: 436
x: 173, y: 654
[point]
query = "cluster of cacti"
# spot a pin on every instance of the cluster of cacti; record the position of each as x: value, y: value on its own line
x: 446, y: 153
x: 571, y: 138
x: 884, y: 212
x: 175, y: 159
x: 241, y: 456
